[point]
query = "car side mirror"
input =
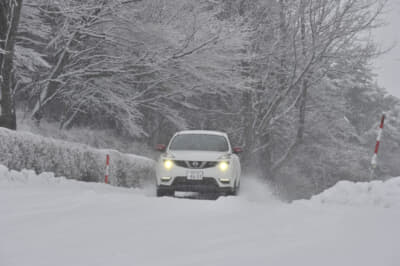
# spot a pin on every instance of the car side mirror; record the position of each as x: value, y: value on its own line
x: 161, y: 147
x: 237, y: 150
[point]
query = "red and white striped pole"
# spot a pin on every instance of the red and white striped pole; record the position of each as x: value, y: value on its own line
x: 107, y: 168
x: 378, y: 139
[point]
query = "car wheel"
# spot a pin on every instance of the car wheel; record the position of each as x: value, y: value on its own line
x: 211, y: 195
x: 161, y: 192
x: 236, y: 189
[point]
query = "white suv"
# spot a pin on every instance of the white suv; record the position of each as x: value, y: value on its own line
x: 198, y: 161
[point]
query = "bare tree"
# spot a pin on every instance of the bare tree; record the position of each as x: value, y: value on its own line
x: 113, y: 63
x: 10, y: 11
x: 296, y: 45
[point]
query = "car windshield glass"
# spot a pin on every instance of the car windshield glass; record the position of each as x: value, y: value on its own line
x: 199, y: 142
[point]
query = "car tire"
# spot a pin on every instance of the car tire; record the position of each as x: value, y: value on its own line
x: 236, y: 190
x: 161, y: 192
x: 211, y: 195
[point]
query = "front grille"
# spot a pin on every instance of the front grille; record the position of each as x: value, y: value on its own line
x: 210, y: 164
x: 181, y: 164
x: 195, y: 164
x: 184, y: 184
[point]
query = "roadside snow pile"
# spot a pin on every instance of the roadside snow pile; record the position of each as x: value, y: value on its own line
x: 23, y: 150
x: 13, y: 178
x: 27, y: 177
x: 375, y: 193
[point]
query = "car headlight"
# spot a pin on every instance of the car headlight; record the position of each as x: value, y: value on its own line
x: 223, y: 166
x: 168, y: 164
x: 225, y: 157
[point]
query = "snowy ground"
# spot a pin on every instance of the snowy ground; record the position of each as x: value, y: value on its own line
x: 53, y: 221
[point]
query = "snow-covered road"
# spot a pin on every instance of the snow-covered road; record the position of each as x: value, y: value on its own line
x: 53, y: 221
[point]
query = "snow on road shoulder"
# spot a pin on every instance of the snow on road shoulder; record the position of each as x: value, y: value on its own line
x: 27, y: 177
x: 14, y: 183
x: 375, y: 193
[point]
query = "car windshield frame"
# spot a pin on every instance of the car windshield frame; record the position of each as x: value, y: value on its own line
x: 198, y: 143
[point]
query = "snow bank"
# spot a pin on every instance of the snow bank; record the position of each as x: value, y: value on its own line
x: 23, y: 150
x: 378, y: 193
x: 28, y: 178
x: 24, y: 176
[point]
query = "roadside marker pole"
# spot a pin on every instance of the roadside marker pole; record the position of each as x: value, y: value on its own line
x: 378, y: 139
x: 107, y: 168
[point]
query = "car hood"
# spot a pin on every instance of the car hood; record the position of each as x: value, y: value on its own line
x: 196, y: 155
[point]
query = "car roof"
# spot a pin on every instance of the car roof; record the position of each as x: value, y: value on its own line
x: 205, y: 132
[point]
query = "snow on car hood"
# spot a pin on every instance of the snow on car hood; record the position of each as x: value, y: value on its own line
x: 196, y: 155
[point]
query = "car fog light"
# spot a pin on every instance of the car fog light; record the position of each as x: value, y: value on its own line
x: 223, y: 166
x: 225, y: 180
x: 165, y: 178
x: 168, y: 164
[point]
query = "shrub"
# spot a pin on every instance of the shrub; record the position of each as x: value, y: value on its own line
x: 23, y: 150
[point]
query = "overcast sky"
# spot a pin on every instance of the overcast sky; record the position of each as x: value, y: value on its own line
x: 388, y: 65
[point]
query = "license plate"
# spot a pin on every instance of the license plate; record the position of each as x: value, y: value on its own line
x: 195, y: 175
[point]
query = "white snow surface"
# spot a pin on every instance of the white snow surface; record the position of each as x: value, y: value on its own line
x: 54, y: 221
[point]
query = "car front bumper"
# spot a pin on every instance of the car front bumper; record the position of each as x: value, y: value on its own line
x: 214, y: 180
x: 206, y: 185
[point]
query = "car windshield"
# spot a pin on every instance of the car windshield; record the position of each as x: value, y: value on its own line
x: 199, y: 142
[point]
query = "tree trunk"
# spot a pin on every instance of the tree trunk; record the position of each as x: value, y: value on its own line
x: 291, y: 151
x: 9, y: 19
x: 303, y: 97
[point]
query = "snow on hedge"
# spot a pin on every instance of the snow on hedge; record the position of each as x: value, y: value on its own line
x: 375, y: 193
x: 23, y: 150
